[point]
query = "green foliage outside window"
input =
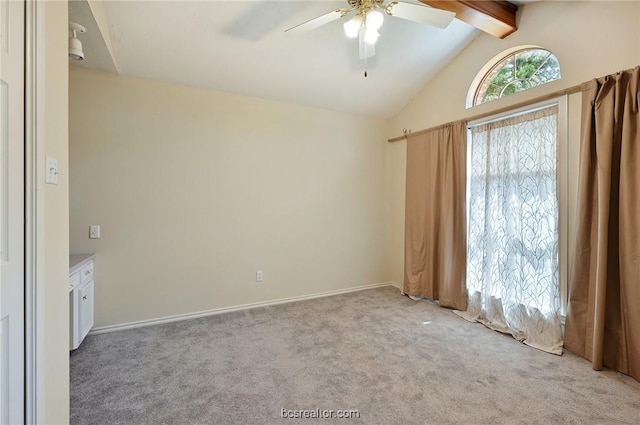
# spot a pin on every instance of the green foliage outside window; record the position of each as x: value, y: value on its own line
x: 518, y: 71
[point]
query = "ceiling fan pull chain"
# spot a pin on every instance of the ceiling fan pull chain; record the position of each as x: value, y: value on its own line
x: 365, y: 62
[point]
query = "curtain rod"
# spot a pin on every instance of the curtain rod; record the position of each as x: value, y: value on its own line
x: 567, y: 91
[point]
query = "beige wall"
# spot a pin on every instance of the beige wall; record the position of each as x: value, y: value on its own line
x: 55, y: 254
x: 195, y: 190
x: 590, y: 39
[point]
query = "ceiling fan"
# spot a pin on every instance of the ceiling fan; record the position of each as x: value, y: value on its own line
x: 368, y: 19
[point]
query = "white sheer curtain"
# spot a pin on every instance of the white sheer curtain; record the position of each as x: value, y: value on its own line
x: 512, y: 265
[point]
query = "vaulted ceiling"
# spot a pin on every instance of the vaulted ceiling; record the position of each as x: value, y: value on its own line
x: 241, y: 47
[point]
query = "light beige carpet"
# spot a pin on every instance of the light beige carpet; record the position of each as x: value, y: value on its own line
x: 394, y: 360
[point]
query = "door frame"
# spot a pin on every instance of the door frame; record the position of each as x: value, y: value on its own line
x: 34, y: 210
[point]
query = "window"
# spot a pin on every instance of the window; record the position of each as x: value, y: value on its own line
x: 515, y: 263
x: 519, y: 70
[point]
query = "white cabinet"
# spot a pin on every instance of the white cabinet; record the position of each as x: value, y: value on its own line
x: 80, y: 298
x: 85, y: 301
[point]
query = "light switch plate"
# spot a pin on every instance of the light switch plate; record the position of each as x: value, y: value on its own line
x: 94, y: 231
x: 51, y: 173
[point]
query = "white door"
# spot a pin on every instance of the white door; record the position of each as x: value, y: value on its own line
x: 12, y: 333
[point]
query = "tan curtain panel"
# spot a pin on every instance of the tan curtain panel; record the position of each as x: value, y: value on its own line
x: 603, y: 322
x: 435, y: 220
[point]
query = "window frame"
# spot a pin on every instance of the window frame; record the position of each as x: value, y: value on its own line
x: 490, y: 66
x: 562, y: 178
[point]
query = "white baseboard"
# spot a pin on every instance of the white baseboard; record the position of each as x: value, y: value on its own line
x: 187, y: 316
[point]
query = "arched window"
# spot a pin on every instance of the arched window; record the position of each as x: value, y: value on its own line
x: 513, y: 71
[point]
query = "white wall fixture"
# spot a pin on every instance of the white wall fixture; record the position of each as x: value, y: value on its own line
x: 75, y: 45
x: 51, y: 173
x: 259, y: 276
x: 94, y: 231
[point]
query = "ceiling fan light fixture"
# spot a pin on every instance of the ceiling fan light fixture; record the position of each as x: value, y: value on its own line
x: 374, y: 20
x: 371, y: 36
x: 352, y: 26
x: 368, y: 18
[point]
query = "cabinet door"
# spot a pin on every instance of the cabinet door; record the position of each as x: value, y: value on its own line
x: 86, y: 309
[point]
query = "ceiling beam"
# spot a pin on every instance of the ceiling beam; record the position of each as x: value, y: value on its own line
x: 497, y: 17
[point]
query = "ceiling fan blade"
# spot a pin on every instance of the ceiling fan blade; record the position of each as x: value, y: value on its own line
x: 318, y: 22
x: 421, y: 14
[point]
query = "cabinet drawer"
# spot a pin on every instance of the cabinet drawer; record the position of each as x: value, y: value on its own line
x: 86, y: 273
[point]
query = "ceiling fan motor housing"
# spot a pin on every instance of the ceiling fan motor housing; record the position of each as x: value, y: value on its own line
x: 356, y: 4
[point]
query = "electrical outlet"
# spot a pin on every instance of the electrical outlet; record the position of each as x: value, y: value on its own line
x: 259, y: 276
x: 94, y: 231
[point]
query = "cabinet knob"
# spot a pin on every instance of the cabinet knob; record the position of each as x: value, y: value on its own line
x: 84, y: 297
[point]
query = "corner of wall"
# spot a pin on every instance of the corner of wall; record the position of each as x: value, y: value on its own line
x: 395, y: 162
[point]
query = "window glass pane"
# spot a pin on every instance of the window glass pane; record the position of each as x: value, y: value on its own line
x: 513, y: 212
x: 517, y: 72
